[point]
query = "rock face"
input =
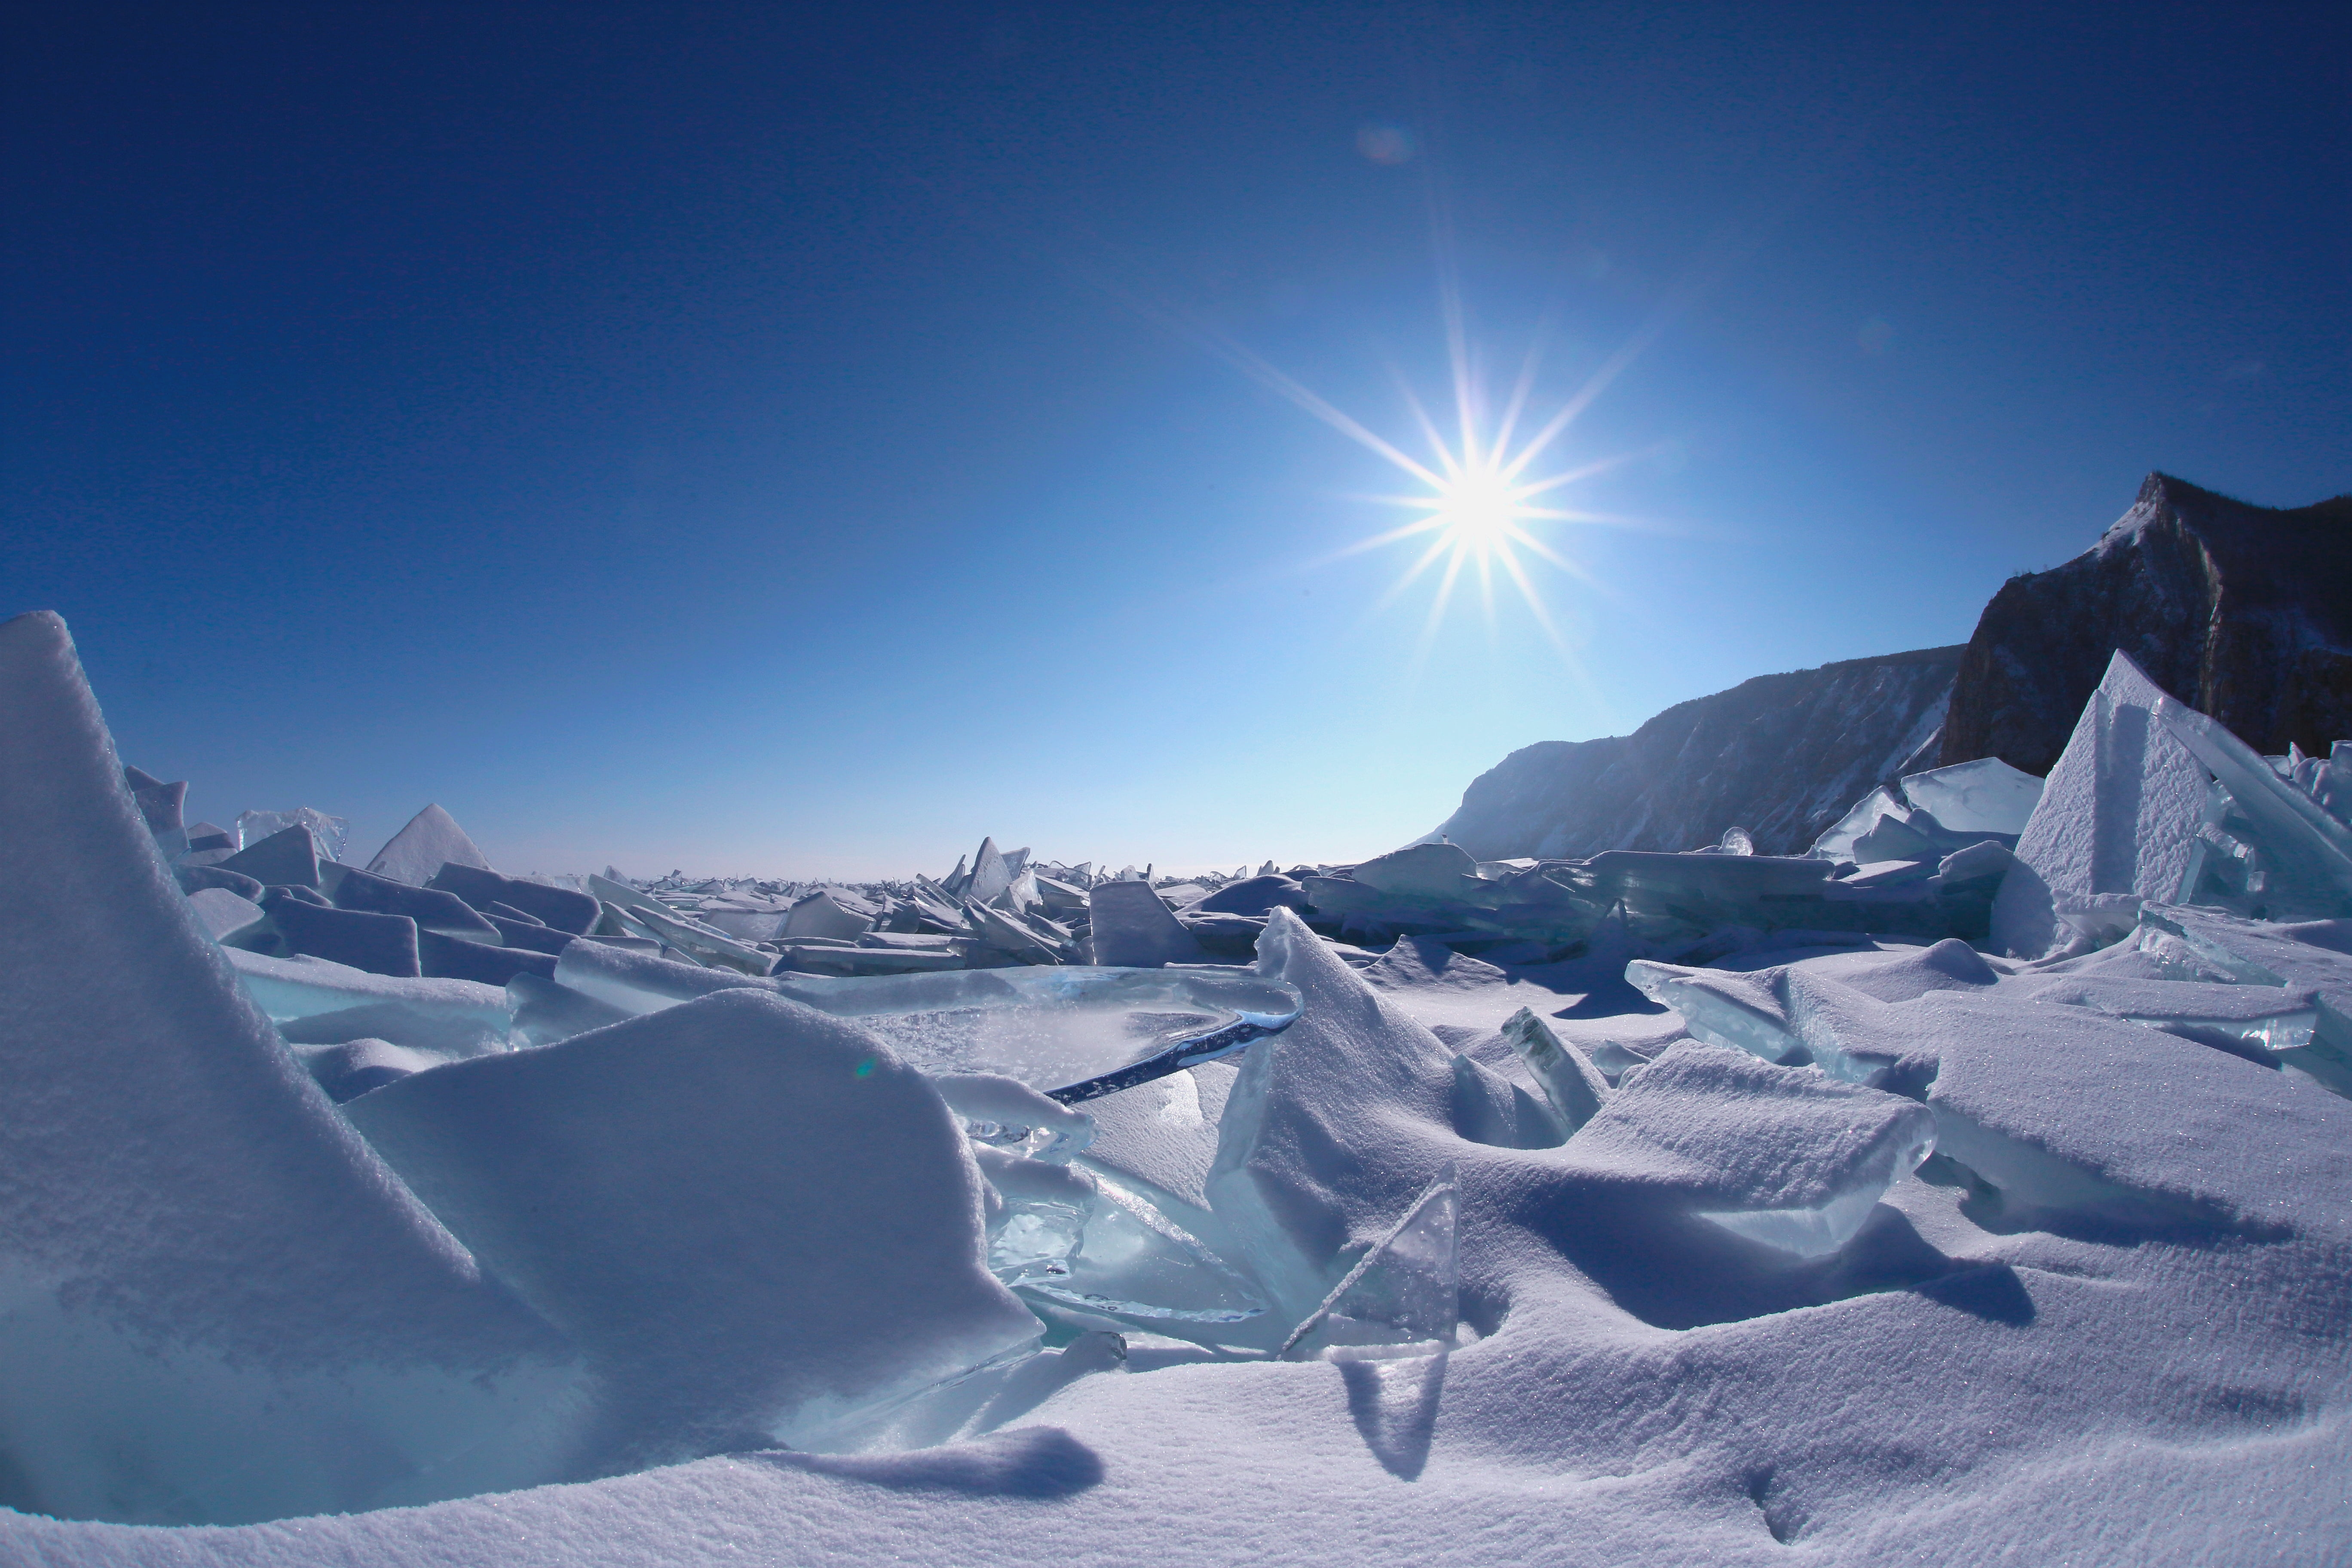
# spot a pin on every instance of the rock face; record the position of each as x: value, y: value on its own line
x: 1780, y: 755
x: 2243, y: 612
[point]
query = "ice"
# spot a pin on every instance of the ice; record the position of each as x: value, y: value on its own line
x: 1133, y: 929
x: 561, y: 907
x: 1346, y: 1077
x: 218, y: 1305
x: 1042, y: 1217
x: 160, y: 805
x: 1838, y: 842
x: 1000, y: 1111
x: 329, y: 831
x: 1784, y: 1156
x: 222, y: 915
x: 289, y: 857
x: 2267, y: 1018
x: 1403, y: 1296
x: 1574, y: 1087
x: 431, y: 908
x: 1073, y: 1032
x: 989, y: 874
x: 382, y: 944
x: 437, y: 1013
x: 828, y: 912
x: 1490, y: 1109
x: 1132, y: 1262
x: 2269, y: 849
x: 431, y: 840
x: 1986, y: 796
x: 583, y: 1176
x: 2118, y: 814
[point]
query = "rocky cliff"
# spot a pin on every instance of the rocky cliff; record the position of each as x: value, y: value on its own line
x: 1780, y: 755
x: 2243, y: 612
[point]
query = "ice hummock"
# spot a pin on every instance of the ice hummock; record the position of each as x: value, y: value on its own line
x: 1715, y: 1320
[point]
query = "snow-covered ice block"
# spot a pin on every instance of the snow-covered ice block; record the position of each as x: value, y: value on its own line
x: 431, y: 840
x: 2062, y: 1108
x: 289, y: 857
x: 220, y: 1306
x: 1986, y: 795
x: 1785, y: 1156
x: 1163, y: 1134
x: 562, y: 908
x: 753, y: 1217
x: 1443, y: 871
x: 223, y: 914
x: 1297, y: 1177
x: 430, y: 908
x: 2266, y: 1018
x: 1132, y: 928
x: 2119, y: 814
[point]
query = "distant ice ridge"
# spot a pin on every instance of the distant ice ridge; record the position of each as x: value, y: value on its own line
x: 1649, y: 1199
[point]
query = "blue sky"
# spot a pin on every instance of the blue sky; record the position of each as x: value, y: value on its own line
x: 766, y: 440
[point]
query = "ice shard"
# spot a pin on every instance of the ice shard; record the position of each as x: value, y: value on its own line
x: 1403, y: 1296
x: 286, y: 859
x: 1574, y: 1087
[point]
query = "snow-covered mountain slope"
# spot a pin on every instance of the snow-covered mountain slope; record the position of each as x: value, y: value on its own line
x: 1780, y: 755
x: 2243, y: 612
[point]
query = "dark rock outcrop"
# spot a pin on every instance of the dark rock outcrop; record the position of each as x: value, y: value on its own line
x: 2243, y: 612
x: 1780, y: 755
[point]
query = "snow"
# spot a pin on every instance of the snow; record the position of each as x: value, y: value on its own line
x: 578, y: 1254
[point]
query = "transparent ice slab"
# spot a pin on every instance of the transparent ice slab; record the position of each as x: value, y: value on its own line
x: 1132, y: 1261
x: 1074, y: 1032
x: 1403, y: 1296
x: 1986, y: 796
x: 253, y: 827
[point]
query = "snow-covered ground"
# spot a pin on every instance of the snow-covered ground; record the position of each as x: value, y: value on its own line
x: 701, y: 1273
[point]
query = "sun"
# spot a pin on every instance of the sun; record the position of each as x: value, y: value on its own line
x: 1479, y: 511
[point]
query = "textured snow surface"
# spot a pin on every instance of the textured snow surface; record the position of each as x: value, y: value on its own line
x: 1735, y: 1317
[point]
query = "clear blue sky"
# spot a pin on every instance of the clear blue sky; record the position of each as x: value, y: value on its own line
x: 791, y: 441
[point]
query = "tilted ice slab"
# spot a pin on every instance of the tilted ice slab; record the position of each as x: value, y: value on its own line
x: 1785, y: 1156
x: 219, y: 1305
x: 753, y: 1219
x: 2117, y: 816
x: 1074, y: 1031
x: 318, y: 1001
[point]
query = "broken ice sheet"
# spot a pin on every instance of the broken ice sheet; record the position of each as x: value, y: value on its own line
x: 1403, y: 1296
x: 1134, y: 1262
x: 1071, y: 1032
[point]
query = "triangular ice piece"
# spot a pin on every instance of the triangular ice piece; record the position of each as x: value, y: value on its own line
x: 431, y: 840
x: 1403, y: 1296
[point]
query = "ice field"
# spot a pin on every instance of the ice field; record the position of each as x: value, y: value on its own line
x: 1975, y: 1188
